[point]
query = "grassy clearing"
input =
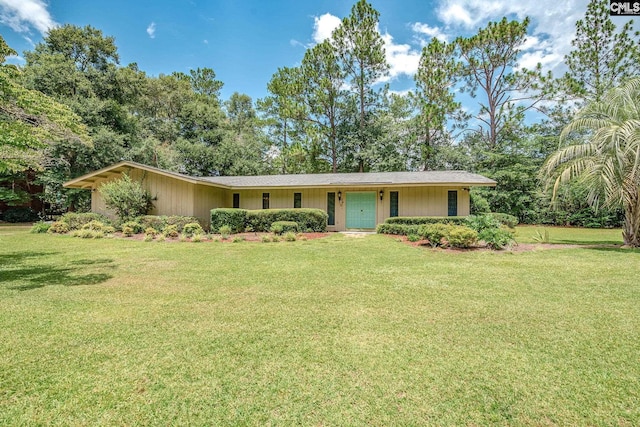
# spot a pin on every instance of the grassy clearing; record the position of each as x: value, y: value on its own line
x: 569, y: 235
x: 335, y: 331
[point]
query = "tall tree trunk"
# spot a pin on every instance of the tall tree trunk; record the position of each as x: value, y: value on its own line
x: 631, y: 226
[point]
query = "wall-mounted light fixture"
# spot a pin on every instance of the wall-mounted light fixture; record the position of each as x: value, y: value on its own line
x: 381, y: 194
x: 339, y: 196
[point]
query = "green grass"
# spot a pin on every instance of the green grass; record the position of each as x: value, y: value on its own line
x: 569, y: 235
x: 337, y: 331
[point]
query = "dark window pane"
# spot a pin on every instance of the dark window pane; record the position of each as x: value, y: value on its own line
x: 297, y: 200
x: 331, y: 208
x: 452, y: 202
x: 393, y: 201
x: 236, y: 200
x: 265, y: 200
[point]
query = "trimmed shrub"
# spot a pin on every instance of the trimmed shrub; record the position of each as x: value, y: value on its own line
x: 170, y: 231
x: 58, y: 227
x: 505, y: 219
x: 397, y: 229
x: 150, y: 231
x: 152, y: 221
x: 497, y: 238
x: 192, y: 228
x: 235, y: 219
x: 461, y: 236
x: 413, y: 238
x: 19, y: 215
x: 265, y: 239
x: 87, y: 233
x: 225, y: 231
x: 309, y: 220
x: 420, y: 220
x: 196, y: 238
x: 180, y: 221
x: 40, y: 227
x: 130, y: 228
x: 94, y: 225
x: 290, y: 236
x: 75, y: 221
x: 434, y: 233
x: 280, y: 227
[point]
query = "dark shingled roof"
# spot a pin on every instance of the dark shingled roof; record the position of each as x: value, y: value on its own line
x: 353, y: 179
x: 436, y: 178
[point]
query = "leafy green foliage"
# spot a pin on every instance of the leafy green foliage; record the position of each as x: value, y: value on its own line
x: 225, y: 231
x: 192, y: 229
x: 19, y: 214
x: 603, y: 56
x: 126, y: 197
x: 75, y: 220
x: 235, y: 219
x: 309, y: 220
x: 87, y: 234
x: 434, y: 233
x: 461, y: 236
x: 397, y: 229
x: 280, y: 227
x: 58, y: 227
x: 129, y: 228
x: 419, y: 220
x: 40, y: 227
x: 607, y: 162
x: 496, y: 238
x: 170, y: 231
x: 413, y: 237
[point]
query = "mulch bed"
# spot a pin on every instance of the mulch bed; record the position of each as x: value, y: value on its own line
x: 249, y: 237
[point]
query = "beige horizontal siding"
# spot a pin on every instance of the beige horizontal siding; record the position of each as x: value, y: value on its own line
x: 176, y: 197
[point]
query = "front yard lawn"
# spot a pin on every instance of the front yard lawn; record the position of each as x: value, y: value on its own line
x: 332, y: 331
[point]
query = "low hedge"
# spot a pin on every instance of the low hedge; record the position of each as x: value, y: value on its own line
x: 236, y: 219
x: 397, y: 229
x: 159, y: 222
x: 282, y: 227
x: 75, y: 221
x: 309, y: 220
x: 420, y: 220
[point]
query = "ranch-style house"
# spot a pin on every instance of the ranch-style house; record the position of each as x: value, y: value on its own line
x: 353, y: 201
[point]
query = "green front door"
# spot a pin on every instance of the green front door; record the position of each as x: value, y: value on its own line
x: 361, y: 210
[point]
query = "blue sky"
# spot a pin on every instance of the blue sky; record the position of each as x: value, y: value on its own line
x: 246, y: 41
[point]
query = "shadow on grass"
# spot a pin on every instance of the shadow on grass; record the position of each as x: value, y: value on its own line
x: 614, y: 248
x: 20, y: 273
x: 586, y: 242
x: 19, y: 257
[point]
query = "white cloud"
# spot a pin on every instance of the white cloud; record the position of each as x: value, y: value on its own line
x: 151, y: 30
x: 454, y: 13
x: 23, y: 15
x: 432, y: 32
x: 550, y: 32
x: 402, y: 58
x: 323, y: 26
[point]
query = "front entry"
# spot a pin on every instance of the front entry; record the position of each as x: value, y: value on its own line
x: 361, y: 210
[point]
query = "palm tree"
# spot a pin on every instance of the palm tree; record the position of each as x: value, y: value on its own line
x: 608, y: 161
